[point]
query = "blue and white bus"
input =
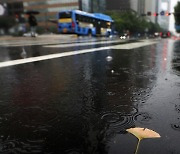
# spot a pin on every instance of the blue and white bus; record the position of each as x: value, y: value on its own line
x: 83, y: 23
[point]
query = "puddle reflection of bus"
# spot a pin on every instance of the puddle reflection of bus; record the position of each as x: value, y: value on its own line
x: 83, y: 23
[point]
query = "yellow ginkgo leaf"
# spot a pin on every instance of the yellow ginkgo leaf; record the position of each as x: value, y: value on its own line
x: 142, y: 133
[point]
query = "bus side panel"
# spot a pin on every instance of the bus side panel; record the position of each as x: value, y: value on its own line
x: 83, y: 26
x: 93, y: 31
x: 85, y: 31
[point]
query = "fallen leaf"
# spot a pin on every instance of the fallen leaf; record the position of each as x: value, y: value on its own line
x: 142, y: 133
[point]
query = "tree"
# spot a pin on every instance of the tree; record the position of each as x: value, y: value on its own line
x: 177, y: 17
x: 131, y: 21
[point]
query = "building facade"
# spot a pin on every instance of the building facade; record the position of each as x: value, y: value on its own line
x: 145, y: 6
x: 85, y: 5
x: 164, y: 5
x: 171, y: 17
x: 120, y: 5
x: 48, y: 9
x: 151, y: 6
x: 96, y: 6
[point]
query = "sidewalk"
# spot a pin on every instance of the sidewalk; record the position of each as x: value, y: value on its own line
x: 39, y: 37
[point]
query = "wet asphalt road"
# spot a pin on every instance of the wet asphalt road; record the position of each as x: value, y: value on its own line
x: 84, y: 103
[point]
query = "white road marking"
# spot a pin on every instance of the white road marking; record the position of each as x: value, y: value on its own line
x: 82, y: 44
x: 70, y: 53
x: 46, y: 57
x: 45, y: 42
x: 27, y: 43
x: 133, y: 45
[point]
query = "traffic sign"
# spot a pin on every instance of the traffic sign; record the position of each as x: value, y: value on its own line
x: 162, y: 13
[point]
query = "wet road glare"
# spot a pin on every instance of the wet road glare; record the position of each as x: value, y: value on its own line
x: 83, y: 104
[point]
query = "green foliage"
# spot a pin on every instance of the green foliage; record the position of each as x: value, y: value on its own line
x: 177, y: 16
x: 7, y: 22
x: 132, y: 22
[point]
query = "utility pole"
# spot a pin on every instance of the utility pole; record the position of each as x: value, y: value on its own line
x: 92, y: 6
x: 80, y: 5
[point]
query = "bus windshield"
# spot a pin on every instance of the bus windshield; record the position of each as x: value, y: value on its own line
x: 63, y: 15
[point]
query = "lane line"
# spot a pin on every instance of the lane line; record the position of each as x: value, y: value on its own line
x: 25, y: 43
x: 36, y: 42
x: 47, y: 57
x: 47, y: 43
x: 83, y: 44
x: 70, y: 53
x: 133, y: 45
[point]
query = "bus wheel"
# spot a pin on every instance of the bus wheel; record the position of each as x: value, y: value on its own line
x: 89, y: 33
x: 108, y: 34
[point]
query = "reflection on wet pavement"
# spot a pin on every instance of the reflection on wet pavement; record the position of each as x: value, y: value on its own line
x: 176, y: 58
x: 15, y: 53
x: 77, y: 105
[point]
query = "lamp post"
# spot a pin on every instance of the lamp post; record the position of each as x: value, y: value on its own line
x: 92, y: 6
